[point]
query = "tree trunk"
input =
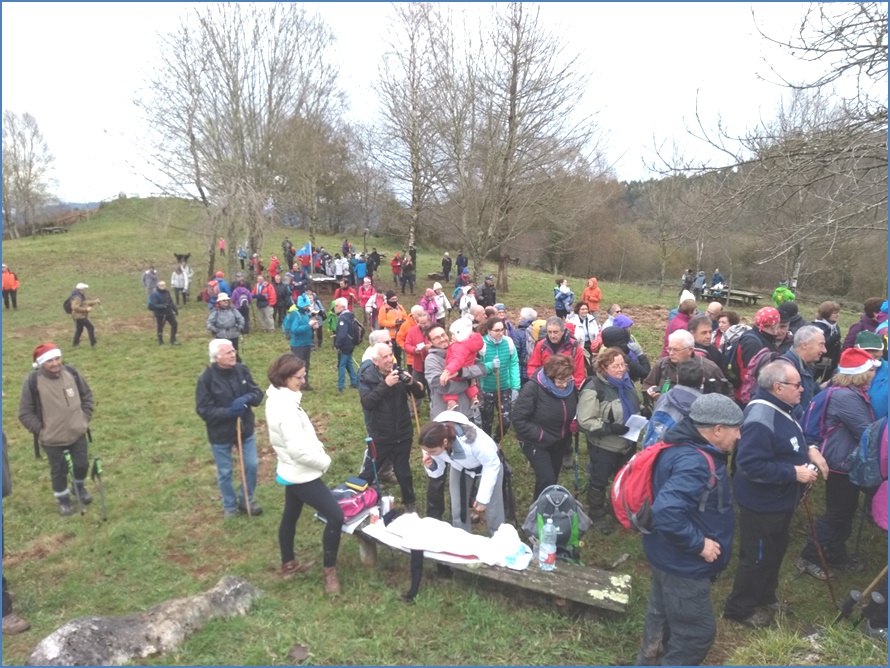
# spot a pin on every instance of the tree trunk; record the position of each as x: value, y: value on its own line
x: 663, y: 272
x: 503, y: 282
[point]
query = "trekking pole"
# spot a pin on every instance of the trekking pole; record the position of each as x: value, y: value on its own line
x: 107, y: 319
x: 861, y: 524
x: 96, y: 476
x: 497, y: 380
x: 806, y: 505
x: 372, y: 450
x: 851, y: 602
x: 243, y: 474
x: 575, y: 463
x: 70, y: 463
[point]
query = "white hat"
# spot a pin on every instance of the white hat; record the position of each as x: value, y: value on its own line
x: 436, y: 286
x: 686, y: 295
x: 222, y: 297
x: 81, y: 286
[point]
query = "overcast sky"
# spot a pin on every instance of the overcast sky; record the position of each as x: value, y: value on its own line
x: 77, y: 67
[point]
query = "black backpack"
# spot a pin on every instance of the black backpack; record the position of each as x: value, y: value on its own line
x: 558, y: 504
x: 358, y: 332
x: 67, y: 305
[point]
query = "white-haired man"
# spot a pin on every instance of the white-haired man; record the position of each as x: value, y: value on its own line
x: 680, y: 347
x: 344, y: 343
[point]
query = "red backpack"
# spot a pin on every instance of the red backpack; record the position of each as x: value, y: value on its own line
x: 211, y: 292
x: 749, y: 377
x: 632, y: 495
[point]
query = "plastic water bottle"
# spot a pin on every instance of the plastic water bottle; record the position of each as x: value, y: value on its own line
x: 547, y: 546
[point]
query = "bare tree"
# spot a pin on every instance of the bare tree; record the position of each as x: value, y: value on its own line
x: 27, y: 163
x: 232, y: 78
x: 668, y: 224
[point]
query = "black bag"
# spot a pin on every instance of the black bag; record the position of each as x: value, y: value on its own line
x: 67, y: 305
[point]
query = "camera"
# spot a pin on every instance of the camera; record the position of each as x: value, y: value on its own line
x: 404, y: 376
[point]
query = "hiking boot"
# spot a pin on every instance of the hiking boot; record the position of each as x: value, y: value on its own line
x: 230, y: 514
x: 760, y: 619
x: 851, y: 565
x: 13, y: 624
x: 175, y: 343
x: 475, y: 517
x: 293, y: 567
x: 811, y: 568
x: 602, y: 523
x: 780, y: 607
x: 85, y: 497
x: 388, y: 476
x: 255, y: 508
x: 331, y: 581
x: 65, y: 507
x: 596, y: 499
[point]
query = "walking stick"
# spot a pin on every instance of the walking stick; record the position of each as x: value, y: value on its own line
x: 806, y: 505
x: 851, y: 603
x: 70, y: 463
x: 243, y: 474
x: 497, y: 380
x: 416, y: 416
x: 372, y: 449
x: 96, y: 476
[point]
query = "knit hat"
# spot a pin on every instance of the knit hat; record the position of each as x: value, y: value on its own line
x: 303, y: 301
x: 467, y: 288
x: 390, y: 294
x: 713, y: 409
x: 788, y: 310
x: 45, y: 352
x: 81, y: 286
x: 466, y: 271
x: 767, y: 317
x: 622, y: 321
x: 489, y: 278
x: 222, y: 297
x: 461, y: 328
x: 500, y: 307
x: 367, y: 279
x: 869, y: 341
x: 219, y: 274
x: 856, y: 360
x: 437, y: 286
x: 429, y: 292
x: 686, y: 295
x: 239, y: 274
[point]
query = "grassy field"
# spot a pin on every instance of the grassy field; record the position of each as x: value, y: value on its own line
x: 165, y: 536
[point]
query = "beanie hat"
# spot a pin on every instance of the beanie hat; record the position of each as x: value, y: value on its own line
x: 429, y: 292
x: 527, y: 312
x: 81, y: 286
x: 467, y: 288
x: 713, y: 409
x: 615, y: 337
x: 239, y: 274
x: 390, y: 294
x: 500, y: 307
x: 437, y: 286
x: 303, y: 301
x: 461, y: 328
x: 869, y: 341
x: 767, y: 317
x: 45, y: 352
x: 686, y: 295
x: 622, y: 321
x: 466, y: 271
x: 489, y: 278
x: 367, y: 279
x: 788, y: 310
x: 219, y: 274
x: 856, y: 360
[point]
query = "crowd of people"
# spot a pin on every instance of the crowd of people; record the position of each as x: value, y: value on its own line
x: 718, y: 386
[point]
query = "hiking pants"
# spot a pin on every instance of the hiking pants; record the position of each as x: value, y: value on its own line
x: 763, y: 541
x: 304, y: 353
x: 265, y: 316
x: 679, y: 627
x: 316, y: 495
x: 546, y: 463
x: 604, y: 464
x: 84, y: 324
x: 435, y: 497
x: 7, y: 294
x: 460, y: 486
x: 491, y: 424
x: 160, y: 320
x: 399, y: 453
x: 835, y: 526
x: 58, y: 467
x: 245, y: 313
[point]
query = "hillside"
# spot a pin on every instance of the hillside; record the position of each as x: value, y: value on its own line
x: 165, y: 536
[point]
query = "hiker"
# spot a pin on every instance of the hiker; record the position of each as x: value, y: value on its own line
x: 542, y: 415
x: 770, y: 478
x: 467, y: 299
x: 282, y: 299
x: 563, y: 298
x: 180, y: 284
x: 150, y: 280
x: 265, y: 297
x: 222, y: 247
x: 808, y: 346
x: 487, y: 295
x: 698, y: 285
x: 344, y: 343
x: 451, y: 439
x: 80, y: 311
x: 729, y: 328
x: 299, y: 326
x: 763, y: 335
x: 605, y: 403
x: 586, y: 325
x: 686, y: 281
x: 638, y: 365
x: 717, y: 278
x: 165, y: 311
x: 681, y: 346
x: 847, y: 415
x: 13, y: 623
x: 241, y: 297
x: 223, y: 398
x: 557, y: 341
x: 408, y: 274
x: 396, y: 266
x: 688, y: 546
x: 392, y: 316
x: 226, y: 322
x: 674, y: 405
x: 613, y: 310
x: 318, y: 315
x: 827, y: 315
x: 417, y: 343
x: 302, y: 461
x: 446, y: 267
x: 592, y: 295
x: 384, y: 395
x: 876, y: 346
x: 501, y: 360
x: 685, y: 310
x: 782, y: 294
x: 56, y: 406
x: 700, y: 328
x: 348, y: 293
x: 461, y: 262
x: 10, y: 288
x: 462, y: 353
x: 867, y: 322
x: 790, y: 311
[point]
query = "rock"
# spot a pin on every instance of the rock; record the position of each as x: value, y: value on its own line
x: 298, y: 653
x: 113, y: 641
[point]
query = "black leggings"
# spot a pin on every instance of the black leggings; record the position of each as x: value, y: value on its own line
x: 318, y: 496
x: 546, y: 463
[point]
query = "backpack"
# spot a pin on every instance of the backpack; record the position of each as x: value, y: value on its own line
x: 331, y: 322
x: 558, y: 504
x: 66, y: 305
x: 538, y: 329
x: 358, y: 332
x: 864, y: 462
x: 813, y: 422
x: 632, y: 494
x: 749, y: 380
x: 353, y: 502
x: 456, y: 295
x: 35, y: 393
x: 662, y: 419
x: 732, y: 360
x: 211, y: 292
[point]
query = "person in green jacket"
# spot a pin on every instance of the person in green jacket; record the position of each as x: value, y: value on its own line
x: 501, y: 364
x: 782, y: 294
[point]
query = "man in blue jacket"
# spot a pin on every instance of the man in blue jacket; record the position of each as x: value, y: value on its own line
x: 692, y: 529
x: 772, y: 474
x: 807, y: 349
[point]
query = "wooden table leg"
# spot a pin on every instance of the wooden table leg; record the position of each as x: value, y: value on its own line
x: 367, y: 551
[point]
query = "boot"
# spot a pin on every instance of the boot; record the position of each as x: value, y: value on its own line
x: 13, y: 624
x: 293, y: 567
x: 85, y: 497
x: 331, y: 582
x: 596, y: 497
x: 160, y: 339
x: 65, y: 507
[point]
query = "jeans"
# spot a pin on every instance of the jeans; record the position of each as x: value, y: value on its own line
x: 222, y: 454
x: 318, y: 496
x: 84, y: 324
x: 409, y: 281
x: 344, y: 364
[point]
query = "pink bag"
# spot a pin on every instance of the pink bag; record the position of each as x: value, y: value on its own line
x: 352, y: 502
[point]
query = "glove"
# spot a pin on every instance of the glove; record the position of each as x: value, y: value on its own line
x: 514, y: 395
x: 239, y: 405
x: 635, y: 348
x: 496, y: 363
x: 617, y: 428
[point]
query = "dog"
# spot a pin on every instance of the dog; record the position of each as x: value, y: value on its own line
x: 182, y: 258
x: 513, y: 260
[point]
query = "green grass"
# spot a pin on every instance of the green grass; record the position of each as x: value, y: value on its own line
x: 165, y: 536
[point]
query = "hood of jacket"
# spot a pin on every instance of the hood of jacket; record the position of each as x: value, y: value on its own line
x: 681, y: 398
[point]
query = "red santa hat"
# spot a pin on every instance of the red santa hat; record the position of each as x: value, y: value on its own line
x: 855, y: 361
x: 44, y: 353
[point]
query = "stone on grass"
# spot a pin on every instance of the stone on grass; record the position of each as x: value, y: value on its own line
x: 113, y: 641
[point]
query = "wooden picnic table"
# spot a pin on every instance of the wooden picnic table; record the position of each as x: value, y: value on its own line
x: 324, y: 282
x: 52, y: 230
x: 745, y: 297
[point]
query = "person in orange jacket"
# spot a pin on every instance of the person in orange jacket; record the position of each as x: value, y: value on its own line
x: 391, y: 317
x: 10, y: 287
x: 592, y: 296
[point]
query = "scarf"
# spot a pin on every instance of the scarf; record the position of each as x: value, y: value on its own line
x: 626, y: 390
x: 548, y: 385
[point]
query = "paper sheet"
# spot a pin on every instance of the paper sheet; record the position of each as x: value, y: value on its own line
x: 635, y: 424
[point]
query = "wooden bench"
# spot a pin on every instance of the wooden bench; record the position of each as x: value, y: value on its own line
x: 52, y: 230
x: 324, y: 282
x: 743, y: 297
x: 570, y: 588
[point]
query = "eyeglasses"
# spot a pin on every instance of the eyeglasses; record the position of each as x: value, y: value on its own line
x: 797, y: 385
x: 677, y: 350
x: 300, y: 376
x: 497, y: 329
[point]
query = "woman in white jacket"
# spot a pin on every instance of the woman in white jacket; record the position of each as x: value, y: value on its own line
x: 452, y: 439
x: 301, y: 462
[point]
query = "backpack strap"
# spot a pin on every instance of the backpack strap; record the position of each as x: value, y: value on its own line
x: 712, y: 482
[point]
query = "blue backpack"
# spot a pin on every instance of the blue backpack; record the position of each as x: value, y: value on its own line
x: 813, y: 423
x: 661, y: 420
x: 864, y: 462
